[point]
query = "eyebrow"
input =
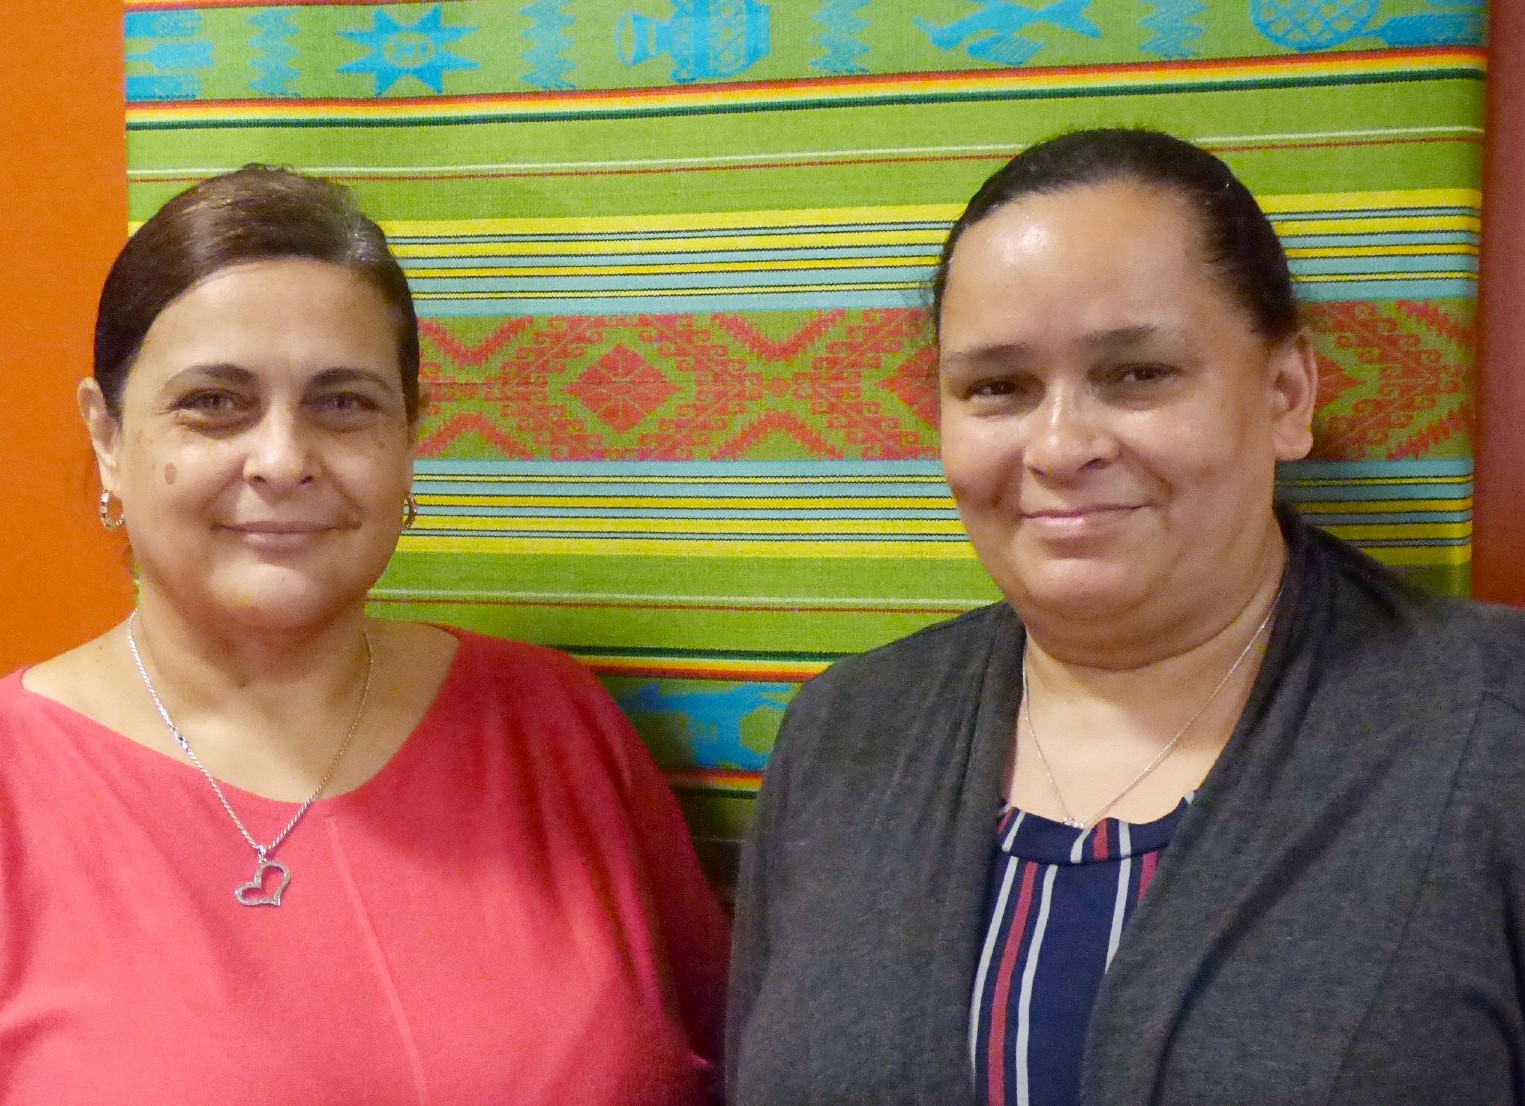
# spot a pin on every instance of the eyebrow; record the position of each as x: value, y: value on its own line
x: 238, y: 375
x: 216, y: 370
x: 1120, y: 337
x: 343, y: 374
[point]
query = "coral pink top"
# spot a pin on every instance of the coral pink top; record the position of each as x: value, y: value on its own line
x: 509, y: 912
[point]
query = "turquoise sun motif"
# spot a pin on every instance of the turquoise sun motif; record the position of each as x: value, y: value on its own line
x: 414, y: 50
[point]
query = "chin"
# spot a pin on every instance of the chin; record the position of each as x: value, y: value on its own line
x: 285, y: 604
x: 1075, y: 590
x: 285, y: 617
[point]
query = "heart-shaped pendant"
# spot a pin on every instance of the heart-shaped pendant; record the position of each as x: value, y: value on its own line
x: 253, y: 893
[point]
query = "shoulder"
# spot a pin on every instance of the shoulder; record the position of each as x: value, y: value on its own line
x: 1374, y: 610
x: 1490, y: 782
x: 928, y: 681
x: 1416, y: 649
x: 14, y: 700
x: 519, y: 672
x: 922, y: 661
x: 1499, y: 633
x: 1495, y: 640
x: 86, y: 679
x: 535, y: 693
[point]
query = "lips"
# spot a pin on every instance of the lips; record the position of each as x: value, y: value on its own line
x: 278, y: 538
x: 1077, y: 522
x: 1079, y: 512
x: 278, y: 527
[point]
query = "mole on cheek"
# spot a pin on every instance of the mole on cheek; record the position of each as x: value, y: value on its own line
x: 170, y: 474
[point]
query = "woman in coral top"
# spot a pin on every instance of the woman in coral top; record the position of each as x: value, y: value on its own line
x: 259, y: 848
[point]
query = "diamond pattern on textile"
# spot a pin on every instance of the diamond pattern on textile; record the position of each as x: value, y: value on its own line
x: 914, y: 383
x: 857, y: 385
x: 622, y: 388
x: 1394, y: 380
x: 798, y: 385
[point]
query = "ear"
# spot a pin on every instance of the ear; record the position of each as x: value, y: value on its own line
x: 1293, y: 385
x: 105, y: 431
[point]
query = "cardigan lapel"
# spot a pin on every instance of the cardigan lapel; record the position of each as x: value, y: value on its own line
x: 946, y: 1061
x: 1284, y: 891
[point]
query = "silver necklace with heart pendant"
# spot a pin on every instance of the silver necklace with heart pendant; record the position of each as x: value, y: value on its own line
x: 271, y: 877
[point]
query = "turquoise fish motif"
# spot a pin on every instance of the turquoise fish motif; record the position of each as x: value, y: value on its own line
x: 705, y: 38
x: 993, y: 29
x: 1458, y: 24
x: 1321, y: 24
x: 1176, y: 28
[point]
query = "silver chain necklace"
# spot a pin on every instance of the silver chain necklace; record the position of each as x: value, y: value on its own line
x: 254, y: 892
x: 1086, y: 823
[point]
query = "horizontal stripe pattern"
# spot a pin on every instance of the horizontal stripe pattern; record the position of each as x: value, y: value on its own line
x: 784, y: 158
x: 1196, y: 75
x: 1379, y: 245
x: 1404, y: 512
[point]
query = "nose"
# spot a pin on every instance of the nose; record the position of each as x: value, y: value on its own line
x: 280, y: 456
x: 1069, y: 436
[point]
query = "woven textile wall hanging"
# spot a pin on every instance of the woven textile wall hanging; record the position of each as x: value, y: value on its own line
x: 668, y: 255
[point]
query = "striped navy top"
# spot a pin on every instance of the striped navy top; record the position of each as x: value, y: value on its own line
x: 1059, y: 898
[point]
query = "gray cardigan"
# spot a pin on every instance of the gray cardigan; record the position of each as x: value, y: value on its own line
x: 1339, y: 919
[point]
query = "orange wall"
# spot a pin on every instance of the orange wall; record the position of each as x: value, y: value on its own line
x: 63, y: 208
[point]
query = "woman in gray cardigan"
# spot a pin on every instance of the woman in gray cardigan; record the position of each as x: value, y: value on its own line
x: 1315, y: 774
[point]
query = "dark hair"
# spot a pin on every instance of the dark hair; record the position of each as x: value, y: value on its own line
x: 1241, y: 244
x: 256, y: 213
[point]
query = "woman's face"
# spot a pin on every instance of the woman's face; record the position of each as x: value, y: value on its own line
x: 1111, y: 419
x: 263, y: 452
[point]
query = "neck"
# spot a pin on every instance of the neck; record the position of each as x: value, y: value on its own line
x: 1175, y: 664
x: 1166, y: 622
x: 1129, y: 740
x: 265, y: 711
x: 220, y: 657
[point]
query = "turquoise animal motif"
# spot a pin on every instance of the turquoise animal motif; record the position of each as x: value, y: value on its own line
x: 1176, y: 25
x: 1321, y: 24
x: 1460, y: 26
x: 993, y: 29
x: 705, y: 38
x: 711, y: 719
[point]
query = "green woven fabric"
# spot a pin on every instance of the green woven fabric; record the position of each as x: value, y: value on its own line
x: 669, y: 257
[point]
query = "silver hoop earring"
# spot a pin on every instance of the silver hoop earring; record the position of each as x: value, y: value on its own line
x: 103, y: 508
x: 409, y: 511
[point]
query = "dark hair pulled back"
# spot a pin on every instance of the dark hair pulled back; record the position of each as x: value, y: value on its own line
x: 257, y: 213
x: 1241, y: 244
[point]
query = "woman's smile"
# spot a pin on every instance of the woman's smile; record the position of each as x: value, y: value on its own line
x: 281, y: 537
x: 272, y: 389
x: 1091, y: 520
x: 1110, y: 417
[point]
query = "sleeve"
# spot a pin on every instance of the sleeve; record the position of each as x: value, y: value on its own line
x: 694, y: 929
x: 694, y: 926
